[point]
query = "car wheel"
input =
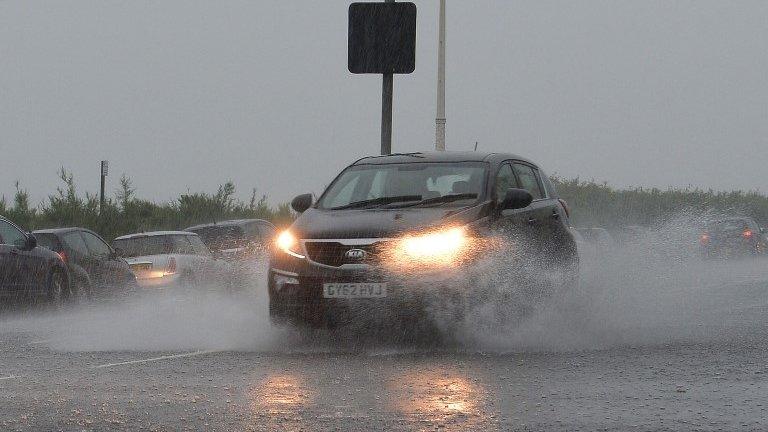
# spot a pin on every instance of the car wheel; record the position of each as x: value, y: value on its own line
x: 58, y: 290
x: 82, y: 293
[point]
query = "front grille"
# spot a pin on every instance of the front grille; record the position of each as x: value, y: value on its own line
x: 334, y: 253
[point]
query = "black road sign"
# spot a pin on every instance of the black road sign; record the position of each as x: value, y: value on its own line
x: 382, y: 38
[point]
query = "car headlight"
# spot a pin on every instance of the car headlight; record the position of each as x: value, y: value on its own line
x: 289, y: 244
x: 439, y: 247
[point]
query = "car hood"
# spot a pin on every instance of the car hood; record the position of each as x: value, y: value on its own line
x: 378, y: 223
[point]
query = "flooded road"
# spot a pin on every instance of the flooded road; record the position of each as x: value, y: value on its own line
x: 688, y: 357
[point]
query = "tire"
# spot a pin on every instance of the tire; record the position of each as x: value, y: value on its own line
x: 82, y: 293
x: 59, y: 292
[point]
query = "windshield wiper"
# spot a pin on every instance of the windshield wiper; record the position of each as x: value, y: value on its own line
x: 439, y: 200
x: 378, y: 201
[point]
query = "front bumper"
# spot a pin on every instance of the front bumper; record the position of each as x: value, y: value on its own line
x: 296, y: 293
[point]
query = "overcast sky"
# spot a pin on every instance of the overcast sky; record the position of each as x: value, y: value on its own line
x: 185, y: 95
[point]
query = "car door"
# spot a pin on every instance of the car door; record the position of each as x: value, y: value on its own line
x: 104, y: 267
x: 16, y: 265
x: 540, y: 212
x: 510, y: 223
x: 77, y: 256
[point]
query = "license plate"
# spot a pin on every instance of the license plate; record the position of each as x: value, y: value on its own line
x: 355, y: 290
x: 141, y: 266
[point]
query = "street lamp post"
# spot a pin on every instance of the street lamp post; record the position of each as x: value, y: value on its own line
x: 440, y: 117
x: 104, y: 172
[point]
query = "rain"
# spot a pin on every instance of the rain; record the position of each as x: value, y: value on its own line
x: 428, y: 215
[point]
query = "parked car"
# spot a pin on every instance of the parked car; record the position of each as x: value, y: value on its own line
x: 391, y: 231
x: 164, y: 259
x: 737, y: 236
x: 94, y: 267
x: 29, y: 272
x: 236, y: 239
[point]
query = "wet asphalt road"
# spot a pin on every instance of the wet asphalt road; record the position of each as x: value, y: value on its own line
x: 700, y: 363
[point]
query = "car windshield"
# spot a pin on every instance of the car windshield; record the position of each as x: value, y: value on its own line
x: 222, y: 236
x: 428, y: 183
x: 728, y: 225
x: 161, y: 245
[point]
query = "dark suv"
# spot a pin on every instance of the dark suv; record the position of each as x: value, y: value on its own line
x: 94, y: 267
x: 737, y: 236
x: 28, y: 271
x: 392, y: 230
x: 235, y: 239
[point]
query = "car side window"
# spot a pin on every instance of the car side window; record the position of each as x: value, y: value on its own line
x: 10, y: 235
x: 95, y: 245
x: 75, y: 241
x: 528, y: 180
x: 549, y: 187
x: 505, y: 179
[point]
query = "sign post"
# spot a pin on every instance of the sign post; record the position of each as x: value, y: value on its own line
x: 382, y: 40
x: 104, y: 172
x: 387, y: 86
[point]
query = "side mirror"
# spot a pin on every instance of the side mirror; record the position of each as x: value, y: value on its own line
x: 116, y: 253
x: 31, y: 242
x: 516, y: 199
x: 762, y: 230
x: 301, y: 203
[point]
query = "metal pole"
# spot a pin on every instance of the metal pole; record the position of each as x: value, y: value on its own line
x: 101, y: 199
x: 104, y: 168
x: 386, y: 110
x: 386, y: 114
x: 440, y: 117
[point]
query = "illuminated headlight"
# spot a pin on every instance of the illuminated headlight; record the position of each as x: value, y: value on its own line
x: 288, y: 243
x: 439, y: 247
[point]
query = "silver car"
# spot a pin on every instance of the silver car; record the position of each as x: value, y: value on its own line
x: 163, y: 259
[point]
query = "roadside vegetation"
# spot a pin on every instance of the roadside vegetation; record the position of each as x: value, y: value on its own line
x: 125, y: 213
x: 592, y: 204
x: 600, y: 205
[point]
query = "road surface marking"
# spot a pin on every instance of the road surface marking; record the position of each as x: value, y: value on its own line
x: 9, y: 377
x: 175, y: 356
x: 39, y: 342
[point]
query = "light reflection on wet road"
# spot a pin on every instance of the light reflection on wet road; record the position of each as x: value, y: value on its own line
x: 701, y: 368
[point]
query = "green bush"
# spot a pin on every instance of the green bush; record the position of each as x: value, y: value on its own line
x: 598, y: 204
x: 125, y: 214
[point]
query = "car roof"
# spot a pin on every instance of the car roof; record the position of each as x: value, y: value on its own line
x: 155, y: 234
x: 59, y: 230
x: 231, y: 222
x: 439, y: 156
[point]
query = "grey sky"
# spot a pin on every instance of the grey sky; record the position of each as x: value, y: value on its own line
x: 185, y: 95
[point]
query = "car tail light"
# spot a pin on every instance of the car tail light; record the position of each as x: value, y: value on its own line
x: 747, y: 234
x: 62, y: 255
x: 171, y: 269
x: 704, y: 239
x: 565, y: 207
